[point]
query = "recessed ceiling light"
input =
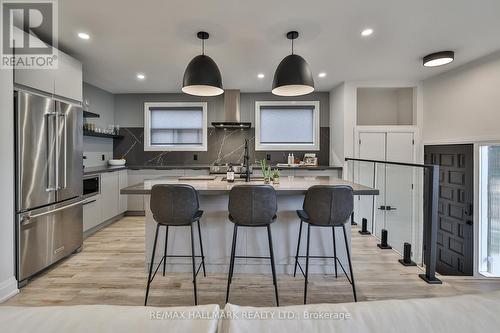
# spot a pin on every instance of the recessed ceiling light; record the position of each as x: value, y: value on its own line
x: 141, y: 76
x: 260, y: 76
x: 322, y: 74
x: 367, y: 32
x: 438, y: 58
x: 83, y: 35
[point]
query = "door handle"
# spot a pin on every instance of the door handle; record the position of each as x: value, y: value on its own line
x: 49, y: 187
x: 382, y: 207
x: 63, y: 115
x: 27, y: 219
x: 389, y: 208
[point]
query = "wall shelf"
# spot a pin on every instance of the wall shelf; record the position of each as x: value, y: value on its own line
x: 88, y: 114
x: 102, y: 135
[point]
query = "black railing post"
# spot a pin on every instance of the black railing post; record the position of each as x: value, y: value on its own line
x: 431, y: 227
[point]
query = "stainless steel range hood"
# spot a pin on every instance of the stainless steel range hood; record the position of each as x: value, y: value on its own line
x: 231, y: 111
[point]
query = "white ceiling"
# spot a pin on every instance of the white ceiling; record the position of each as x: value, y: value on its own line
x: 158, y: 38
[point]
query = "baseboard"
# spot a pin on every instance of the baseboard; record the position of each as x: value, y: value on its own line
x: 135, y: 213
x: 8, y: 289
x: 102, y: 225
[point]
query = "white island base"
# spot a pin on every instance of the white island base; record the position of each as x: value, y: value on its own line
x: 217, y: 231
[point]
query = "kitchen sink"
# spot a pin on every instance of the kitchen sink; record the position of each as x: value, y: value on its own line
x: 239, y: 180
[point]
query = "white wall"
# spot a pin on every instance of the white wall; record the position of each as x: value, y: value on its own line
x: 463, y: 105
x: 337, y: 125
x: 8, y: 283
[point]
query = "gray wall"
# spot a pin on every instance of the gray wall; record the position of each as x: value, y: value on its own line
x: 129, y: 108
x: 384, y: 106
x: 103, y: 103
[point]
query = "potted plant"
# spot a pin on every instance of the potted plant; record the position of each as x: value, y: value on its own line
x: 266, y: 171
x: 276, y: 176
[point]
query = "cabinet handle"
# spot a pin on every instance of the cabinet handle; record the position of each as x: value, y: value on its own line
x: 89, y: 202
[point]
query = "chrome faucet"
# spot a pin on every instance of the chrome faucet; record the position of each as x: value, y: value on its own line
x: 246, y: 163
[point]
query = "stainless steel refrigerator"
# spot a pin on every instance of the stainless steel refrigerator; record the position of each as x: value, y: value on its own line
x: 49, y: 170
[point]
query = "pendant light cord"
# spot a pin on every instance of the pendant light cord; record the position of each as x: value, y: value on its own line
x: 292, y: 46
x: 203, y: 47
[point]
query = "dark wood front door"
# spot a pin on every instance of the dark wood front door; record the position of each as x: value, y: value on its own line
x: 455, y: 229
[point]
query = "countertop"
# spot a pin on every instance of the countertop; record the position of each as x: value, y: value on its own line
x: 108, y: 168
x: 288, y: 185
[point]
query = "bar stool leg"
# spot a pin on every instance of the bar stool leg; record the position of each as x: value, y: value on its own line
x: 307, y: 262
x: 201, y: 248
x: 334, y: 251
x: 297, y: 253
x: 165, y: 251
x: 231, y: 261
x: 194, y: 265
x: 350, y: 264
x: 151, y: 264
x: 273, y: 268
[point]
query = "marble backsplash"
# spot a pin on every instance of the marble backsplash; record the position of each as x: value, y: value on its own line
x: 224, y: 146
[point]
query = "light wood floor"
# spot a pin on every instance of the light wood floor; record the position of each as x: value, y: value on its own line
x: 110, y: 270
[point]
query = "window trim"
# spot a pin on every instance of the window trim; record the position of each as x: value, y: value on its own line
x: 288, y: 147
x: 147, y: 127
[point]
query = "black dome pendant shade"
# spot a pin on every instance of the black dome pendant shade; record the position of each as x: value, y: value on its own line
x: 293, y: 76
x: 202, y: 76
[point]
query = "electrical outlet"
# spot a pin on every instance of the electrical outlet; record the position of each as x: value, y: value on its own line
x: 103, y: 157
x: 268, y: 157
x: 195, y: 157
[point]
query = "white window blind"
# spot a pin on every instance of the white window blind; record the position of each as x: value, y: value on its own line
x: 287, y: 125
x: 176, y: 126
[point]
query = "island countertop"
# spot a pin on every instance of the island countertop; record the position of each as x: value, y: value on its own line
x: 287, y: 185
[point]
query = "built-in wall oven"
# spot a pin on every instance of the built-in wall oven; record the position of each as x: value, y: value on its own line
x: 91, y: 185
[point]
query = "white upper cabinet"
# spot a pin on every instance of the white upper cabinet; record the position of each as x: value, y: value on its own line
x: 65, y: 81
x: 68, y: 80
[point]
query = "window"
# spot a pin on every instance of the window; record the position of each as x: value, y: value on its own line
x: 175, y: 126
x: 489, y: 203
x: 292, y: 125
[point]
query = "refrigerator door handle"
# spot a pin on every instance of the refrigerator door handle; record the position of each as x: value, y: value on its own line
x: 27, y: 219
x: 50, y: 188
x: 63, y: 115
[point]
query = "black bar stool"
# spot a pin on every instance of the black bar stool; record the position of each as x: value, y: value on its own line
x: 252, y: 206
x: 175, y: 206
x: 326, y: 206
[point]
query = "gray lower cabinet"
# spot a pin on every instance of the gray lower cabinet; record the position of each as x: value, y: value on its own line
x: 122, y: 198
x: 109, y: 195
x: 92, y: 214
x: 109, y: 203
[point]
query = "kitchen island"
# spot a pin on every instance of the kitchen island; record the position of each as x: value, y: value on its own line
x: 217, y: 229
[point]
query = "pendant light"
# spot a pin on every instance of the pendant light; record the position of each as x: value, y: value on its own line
x: 202, y: 76
x: 293, y: 76
x: 438, y: 58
